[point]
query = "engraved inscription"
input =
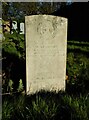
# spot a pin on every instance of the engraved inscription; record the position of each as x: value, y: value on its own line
x: 46, y: 42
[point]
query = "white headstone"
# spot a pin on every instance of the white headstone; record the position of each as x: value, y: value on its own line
x: 46, y: 45
x: 22, y: 28
x: 14, y: 25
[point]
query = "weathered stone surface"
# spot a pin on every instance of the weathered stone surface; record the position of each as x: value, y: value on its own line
x: 46, y: 44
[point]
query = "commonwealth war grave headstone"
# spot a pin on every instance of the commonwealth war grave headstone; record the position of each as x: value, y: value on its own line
x: 46, y: 47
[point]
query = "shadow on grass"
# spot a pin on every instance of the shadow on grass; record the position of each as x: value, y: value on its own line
x: 45, y: 105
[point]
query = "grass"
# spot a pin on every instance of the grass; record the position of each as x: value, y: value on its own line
x: 78, y: 67
x: 79, y: 47
x: 70, y: 105
x: 46, y: 106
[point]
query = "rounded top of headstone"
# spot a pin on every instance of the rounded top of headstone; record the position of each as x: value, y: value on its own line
x: 46, y: 17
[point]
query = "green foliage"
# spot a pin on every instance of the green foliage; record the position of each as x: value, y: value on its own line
x: 14, y: 44
x: 79, y: 106
x: 77, y: 61
x: 13, y: 52
x: 18, y: 10
x: 46, y: 109
x: 78, y: 46
x: 7, y: 109
x: 10, y: 85
x: 46, y: 106
x: 78, y: 67
x: 20, y: 88
x: 13, y: 106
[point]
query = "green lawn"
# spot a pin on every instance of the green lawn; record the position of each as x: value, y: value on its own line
x: 46, y: 106
x: 73, y: 104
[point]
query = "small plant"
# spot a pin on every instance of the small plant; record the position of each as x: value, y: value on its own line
x: 10, y: 85
x: 21, y: 87
x: 7, y: 110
